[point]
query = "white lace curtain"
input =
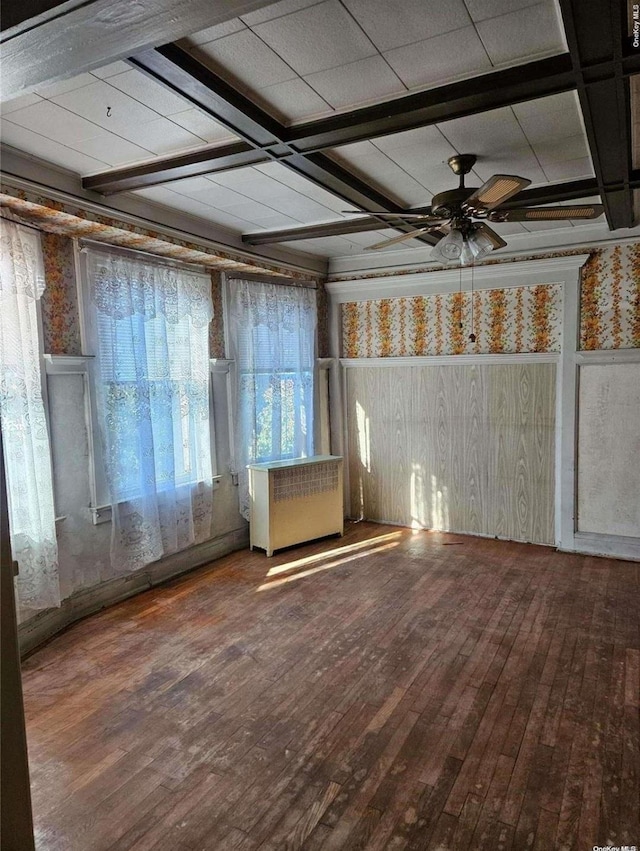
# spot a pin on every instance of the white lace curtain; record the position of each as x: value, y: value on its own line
x: 272, y: 334
x: 151, y: 376
x: 24, y: 426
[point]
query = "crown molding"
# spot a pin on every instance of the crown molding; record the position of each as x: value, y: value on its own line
x: 526, y: 273
x: 520, y: 245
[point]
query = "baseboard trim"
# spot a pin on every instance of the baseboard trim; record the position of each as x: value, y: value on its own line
x: 45, y: 625
x: 420, y: 528
x: 607, y: 546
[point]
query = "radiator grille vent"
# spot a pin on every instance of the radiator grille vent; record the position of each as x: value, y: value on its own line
x: 296, y: 482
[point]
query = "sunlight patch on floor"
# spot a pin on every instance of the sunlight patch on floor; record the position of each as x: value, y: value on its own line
x: 334, y: 562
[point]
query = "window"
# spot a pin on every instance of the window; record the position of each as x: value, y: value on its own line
x: 24, y: 426
x: 272, y: 331
x: 147, y: 324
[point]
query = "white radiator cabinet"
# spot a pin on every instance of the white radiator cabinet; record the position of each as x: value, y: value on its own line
x: 295, y: 501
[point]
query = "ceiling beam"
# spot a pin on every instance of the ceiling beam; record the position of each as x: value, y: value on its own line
x: 177, y: 69
x: 455, y: 100
x: 262, y: 138
x: 596, y: 33
x: 175, y: 167
x: 44, y: 41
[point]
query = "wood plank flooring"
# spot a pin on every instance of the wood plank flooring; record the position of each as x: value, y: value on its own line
x: 387, y: 690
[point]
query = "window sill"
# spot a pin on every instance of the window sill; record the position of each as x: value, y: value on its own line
x: 102, y: 513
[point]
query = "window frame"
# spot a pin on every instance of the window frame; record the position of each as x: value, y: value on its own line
x: 318, y: 364
x: 100, y: 505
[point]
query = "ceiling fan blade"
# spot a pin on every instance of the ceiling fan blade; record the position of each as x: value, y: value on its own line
x: 385, y: 214
x: 498, y: 189
x: 547, y: 214
x: 396, y: 239
x: 498, y: 241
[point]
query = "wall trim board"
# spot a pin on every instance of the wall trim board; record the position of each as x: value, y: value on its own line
x: 567, y: 410
x: 45, y: 625
x: 527, y: 273
x: 221, y: 366
x: 452, y: 360
x: 67, y: 364
x: 608, y: 546
x: 607, y: 356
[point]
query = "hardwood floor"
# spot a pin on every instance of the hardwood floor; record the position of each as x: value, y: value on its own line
x: 388, y: 690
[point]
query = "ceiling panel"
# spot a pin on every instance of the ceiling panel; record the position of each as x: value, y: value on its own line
x: 304, y: 186
x: 63, y: 86
x: 19, y: 102
x: 439, y: 60
x: 569, y: 169
x: 277, y: 10
x: 378, y: 168
x: 293, y: 100
x: 106, y: 106
x: 483, y: 133
x: 355, y: 52
x: 525, y: 33
x: 217, y: 31
x: 161, y: 136
x: 359, y: 82
x: 555, y: 117
x: 520, y: 161
x: 45, y: 147
x: 202, y: 125
x: 164, y: 195
x: 246, y: 58
x: 112, y: 149
x: 118, y: 120
x: 142, y: 88
x: 560, y: 150
x: 54, y: 122
x: 319, y: 37
x: 422, y: 153
x: 480, y: 10
x: 412, y: 20
x: 111, y: 69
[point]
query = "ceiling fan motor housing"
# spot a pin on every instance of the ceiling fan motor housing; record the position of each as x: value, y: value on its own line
x: 448, y: 204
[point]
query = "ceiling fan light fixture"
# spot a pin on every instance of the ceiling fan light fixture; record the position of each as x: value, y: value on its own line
x: 450, y: 247
x: 479, y: 244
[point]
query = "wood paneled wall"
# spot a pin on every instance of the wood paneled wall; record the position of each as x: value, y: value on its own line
x: 466, y: 448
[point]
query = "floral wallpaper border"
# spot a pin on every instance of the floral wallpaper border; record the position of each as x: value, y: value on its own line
x: 52, y: 217
x: 515, y: 319
x: 519, y: 319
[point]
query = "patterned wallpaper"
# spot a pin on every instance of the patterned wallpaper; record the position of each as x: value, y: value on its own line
x: 60, y: 320
x: 516, y: 319
x: 216, y: 329
x: 55, y: 217
x: 60, y: 223
x: 610, y: 299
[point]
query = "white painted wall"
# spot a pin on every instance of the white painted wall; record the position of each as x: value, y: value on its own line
x: 609, y: 449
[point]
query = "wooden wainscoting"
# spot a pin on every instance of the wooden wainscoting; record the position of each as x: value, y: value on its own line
x: 467, y: 448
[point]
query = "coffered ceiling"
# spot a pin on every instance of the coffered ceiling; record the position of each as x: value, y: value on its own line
x: 276, y: 123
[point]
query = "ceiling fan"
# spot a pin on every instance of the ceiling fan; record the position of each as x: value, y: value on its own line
x: 453, y: 213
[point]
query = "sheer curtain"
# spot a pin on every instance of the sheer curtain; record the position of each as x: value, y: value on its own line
x: 272, y: 334
x: 151, y: 377
x: 24, y: 426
